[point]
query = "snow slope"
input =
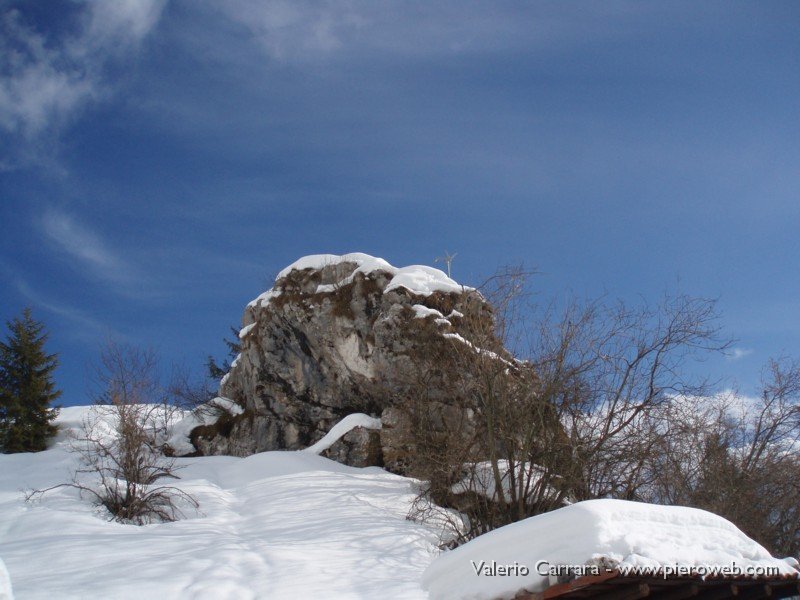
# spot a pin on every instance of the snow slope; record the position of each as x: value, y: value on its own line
x: 273, y: 525
x: 295, y: 525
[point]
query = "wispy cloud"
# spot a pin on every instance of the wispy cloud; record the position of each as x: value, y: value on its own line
x: 45, y: 82
x: 119, y: 26
x: 307, y: 30
x: 35, y: 91
x: 294, y: 30
x: 78, y: 241
x: 739, y: 353
x: 86, y: 323
x: 87, y: 247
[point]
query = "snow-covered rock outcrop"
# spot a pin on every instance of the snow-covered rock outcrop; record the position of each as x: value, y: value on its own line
x: 333, y: 337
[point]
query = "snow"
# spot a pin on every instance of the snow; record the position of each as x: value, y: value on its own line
x: 273, y: 525
x: 420, y: 280
x: 202, y: 415
x: 479, y: 478
x: 347, y: 424
x: 296, y: 525
x: 481, y: 351
x: 422, y: 312
x: 424, y: 281
x: 263, y: 299
x: 365, y: 262
x: 615, y: 533
x: 5, y: 583
x: 245, y: 330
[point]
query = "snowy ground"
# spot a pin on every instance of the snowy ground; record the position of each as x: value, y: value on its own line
x: 273, y: 525
x: 295, y: 525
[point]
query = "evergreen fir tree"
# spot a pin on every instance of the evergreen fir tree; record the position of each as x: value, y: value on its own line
x: 217, y: 371
x: 27, y: 390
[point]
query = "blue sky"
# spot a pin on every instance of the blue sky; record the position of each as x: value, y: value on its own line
x: 161, y: 160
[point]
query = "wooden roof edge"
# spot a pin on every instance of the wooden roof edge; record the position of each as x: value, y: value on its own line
x: 554, y: 591
x: 613, y: 579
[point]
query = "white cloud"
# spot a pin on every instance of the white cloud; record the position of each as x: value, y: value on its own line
x: 87, y: 247
x: 296, y: 29
x: 122, y: 24
x: 45, y: 82
x: 86, y: 322
x: 739, y: 353
x: 308, y: 30
x: 34, y: 90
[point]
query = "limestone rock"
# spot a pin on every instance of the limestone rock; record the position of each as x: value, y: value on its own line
x: 359, y: 447
x: 336, y: 335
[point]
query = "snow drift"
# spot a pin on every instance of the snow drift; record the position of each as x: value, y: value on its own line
x: 272, y: 525
x: 295, y: 525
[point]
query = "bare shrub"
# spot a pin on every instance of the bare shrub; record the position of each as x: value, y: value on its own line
x: 121, y: 442
x: 738, y: 457
x: 595, y: 403
x: 188, y: 391
x: 567, y: 418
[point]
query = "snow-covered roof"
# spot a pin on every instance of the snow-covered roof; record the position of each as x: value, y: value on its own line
x: 612, y: 533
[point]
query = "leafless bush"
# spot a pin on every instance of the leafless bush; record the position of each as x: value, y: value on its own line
x: 188, y: 391
x: 738, y: 457
x: 594, y: 403
x: 571, y: 421
x: 121, y: 442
